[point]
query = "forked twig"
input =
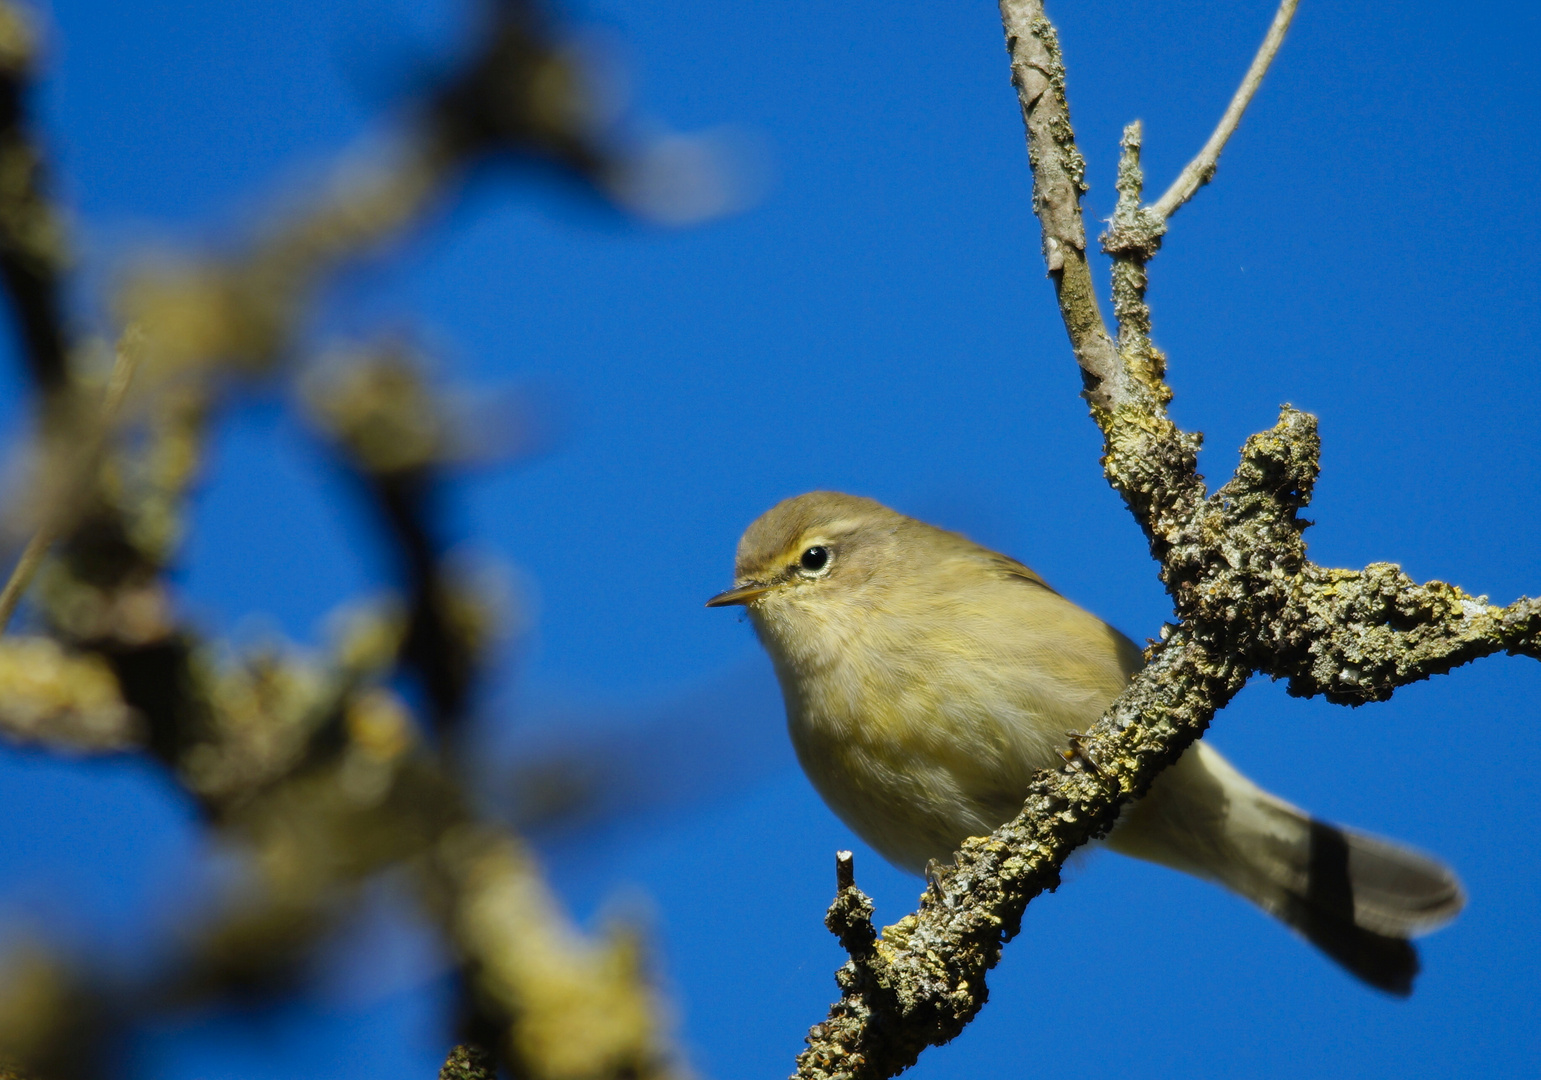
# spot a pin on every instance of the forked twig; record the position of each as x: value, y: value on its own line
x: 1201, y: 169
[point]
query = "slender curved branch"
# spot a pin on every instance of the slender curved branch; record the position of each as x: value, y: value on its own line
x: 1201, y: 169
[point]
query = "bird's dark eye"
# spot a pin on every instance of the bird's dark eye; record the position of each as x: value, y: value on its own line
x: 815, y: 559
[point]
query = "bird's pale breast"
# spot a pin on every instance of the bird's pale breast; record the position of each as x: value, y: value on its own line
x: 920, y: 731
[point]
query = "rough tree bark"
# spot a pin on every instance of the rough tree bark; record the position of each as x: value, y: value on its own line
x: 1247, y: 600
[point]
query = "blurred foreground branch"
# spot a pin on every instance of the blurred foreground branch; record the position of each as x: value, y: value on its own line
x: 1247, y: 599
x: 311, y: 769
x: 33, y: 256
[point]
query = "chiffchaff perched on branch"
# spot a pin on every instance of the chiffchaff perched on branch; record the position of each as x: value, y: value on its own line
x: 927, y: 678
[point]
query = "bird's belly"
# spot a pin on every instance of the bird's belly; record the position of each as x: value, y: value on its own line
x: 913, y: 787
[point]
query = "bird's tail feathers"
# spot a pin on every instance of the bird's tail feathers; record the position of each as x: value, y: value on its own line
x: 1356, y: 897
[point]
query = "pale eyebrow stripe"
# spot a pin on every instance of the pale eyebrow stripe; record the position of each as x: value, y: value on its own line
x: 834, y: 528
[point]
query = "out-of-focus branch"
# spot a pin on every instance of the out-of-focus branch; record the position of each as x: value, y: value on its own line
x: 33, y: 254
x: 49, y: 1019
x: 518, y: 97
x: 569, y: 1008
x: 561, y: 1007
x: 312, y: 769
x: 64, y: 701
x: 72, y: 469
x: 558, y: 1005
x: 1201, y: 169
x: 382, y: 411
x: 1247, y: 597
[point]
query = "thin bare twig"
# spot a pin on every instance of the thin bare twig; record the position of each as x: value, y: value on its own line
x: 1202, y: 168
x: 78, y: 476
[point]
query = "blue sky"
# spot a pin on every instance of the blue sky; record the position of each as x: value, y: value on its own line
x: 878, y: 322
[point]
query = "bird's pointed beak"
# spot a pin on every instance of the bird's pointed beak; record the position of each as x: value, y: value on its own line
x: 739, y: 594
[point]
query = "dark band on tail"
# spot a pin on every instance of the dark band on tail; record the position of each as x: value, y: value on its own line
x: 1325, y: 915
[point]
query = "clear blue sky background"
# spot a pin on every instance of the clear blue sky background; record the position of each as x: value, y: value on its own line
x: 878, y: 322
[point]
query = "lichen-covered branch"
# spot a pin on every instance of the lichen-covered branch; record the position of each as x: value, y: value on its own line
x: 465, y: 1062
x: 1059, y: 179
x: 1247, y: 599
x: 1356, y: 635
x: 923, y: 980
x: 1149, y: 460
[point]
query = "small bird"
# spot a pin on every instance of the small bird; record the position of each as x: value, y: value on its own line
x: 928, y: 678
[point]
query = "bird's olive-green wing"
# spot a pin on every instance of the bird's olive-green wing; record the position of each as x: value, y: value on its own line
x: 1130, y: 657
x: 1010, y: 568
